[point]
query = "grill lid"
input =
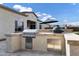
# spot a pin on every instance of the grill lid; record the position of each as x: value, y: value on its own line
x: 30, y: 31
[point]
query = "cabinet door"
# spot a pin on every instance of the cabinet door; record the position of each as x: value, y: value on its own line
x: 54, y: 44
x: 28, y: 43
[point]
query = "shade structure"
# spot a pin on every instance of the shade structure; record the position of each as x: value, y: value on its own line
x: 49, y: 21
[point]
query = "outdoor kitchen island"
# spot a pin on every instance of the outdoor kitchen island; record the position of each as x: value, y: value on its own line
x: 42, y: 41
x: 72, y: 44
x: 48, y: 41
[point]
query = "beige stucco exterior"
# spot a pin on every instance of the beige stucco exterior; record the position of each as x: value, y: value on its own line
x: 7, y: 21
x: 32, y: 17
x: 16, y: 42
x: 72, y: 44
x: 74, y: 50
x: 40, y: 42
x: 43, y: 26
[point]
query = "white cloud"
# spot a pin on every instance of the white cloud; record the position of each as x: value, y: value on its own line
x: 1, y: 3
x: 38, y: 14
x: 65, y: 21
x: 26, y: 9
x: 48, y: 16
x: 17, y: 7
x: 70, y: 23
x: 44, y: 16
x: 74, y: 23
x: 52, y: 18
x: 22, y: 9
x: 73, y: 3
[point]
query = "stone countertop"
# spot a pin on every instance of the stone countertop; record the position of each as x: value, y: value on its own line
x: 48, y: 33
x: 13, y: 34
x: 72, y: 39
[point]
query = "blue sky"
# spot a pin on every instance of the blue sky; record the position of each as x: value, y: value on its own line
x: 63, y: 12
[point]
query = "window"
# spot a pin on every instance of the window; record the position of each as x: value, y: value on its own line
x: 31, y: 24
x: 19, y: 26
x: 40, y: 26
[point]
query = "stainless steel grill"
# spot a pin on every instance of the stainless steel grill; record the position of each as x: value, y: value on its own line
x: 29, y: 33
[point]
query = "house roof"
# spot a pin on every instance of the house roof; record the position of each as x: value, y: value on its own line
x: 20, y: 13
x: 34, y: 14
x: 30, y: 12
x: 11, y: 10
x: 49, y: 21
x: 39, y: 20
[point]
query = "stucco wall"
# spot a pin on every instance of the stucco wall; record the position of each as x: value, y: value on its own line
x: 40, y: 42
x: 32, y: 17
x: 72, y: 44
x: 23, y: 42
x: 7, y: 21
x: 74, y: 50
x: 44, y: 26
x: 14, y: 42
